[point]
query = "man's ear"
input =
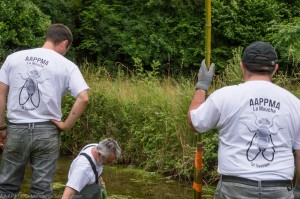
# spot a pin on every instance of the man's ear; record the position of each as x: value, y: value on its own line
x: 244, y: 71
x: 66, y: 43
x: 242, y: 65
x: 63, y: 47
x: 275, y: 70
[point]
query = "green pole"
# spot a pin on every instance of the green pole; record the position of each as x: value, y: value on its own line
x: 197, y: 185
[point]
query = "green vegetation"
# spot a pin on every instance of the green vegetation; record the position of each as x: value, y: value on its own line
x: 141, y: 58
x: 22, y: 25
x: 147, y: 115
x: 170, y: 32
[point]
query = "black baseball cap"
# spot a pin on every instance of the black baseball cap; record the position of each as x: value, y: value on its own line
x: 260, y: 54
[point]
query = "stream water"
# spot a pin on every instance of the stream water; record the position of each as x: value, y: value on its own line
x: 124, y: 182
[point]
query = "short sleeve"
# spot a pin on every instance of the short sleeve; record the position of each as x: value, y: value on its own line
x: 77, y: 83
x: 3, y: 73
x: 78, y: 179
x: 296, y: 144
x: 206, y: 116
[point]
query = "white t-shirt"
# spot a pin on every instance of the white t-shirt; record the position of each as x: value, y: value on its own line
x: 81, y: 172
x: 258, y: 123
x: 37, y: 80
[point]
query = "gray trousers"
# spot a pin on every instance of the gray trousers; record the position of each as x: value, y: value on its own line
x: 233, y: 190
x: 37, y: 144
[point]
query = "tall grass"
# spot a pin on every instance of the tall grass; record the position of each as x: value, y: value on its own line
x: 146, y: 114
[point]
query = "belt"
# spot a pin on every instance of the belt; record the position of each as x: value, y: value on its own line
x: 32, y: 123
x: 267, y: 183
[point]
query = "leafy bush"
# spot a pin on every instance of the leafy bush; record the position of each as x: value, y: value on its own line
x: 171, y: 32
x: 287, y: 42
x: 119, y: 31
x: 22, y: 25
x: 241, y: 22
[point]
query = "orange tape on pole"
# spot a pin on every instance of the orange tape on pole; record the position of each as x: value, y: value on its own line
x: 197, y: 187
x: 198, y: 160
x: 197, y: 184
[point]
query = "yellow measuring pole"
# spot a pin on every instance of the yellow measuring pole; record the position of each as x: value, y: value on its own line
x: 207, y: 32
x: 197, y: 184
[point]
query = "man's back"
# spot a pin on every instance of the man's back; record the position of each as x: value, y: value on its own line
x: 258, y: 125
x: 37, y: 79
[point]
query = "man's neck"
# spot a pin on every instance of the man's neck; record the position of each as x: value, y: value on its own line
x: 57, y: 48
x: 258, y: 78
x: 49, y: 45
x: 94, y: 153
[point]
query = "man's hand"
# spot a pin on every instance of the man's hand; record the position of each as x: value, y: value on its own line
x: 103, y: 193
x: 76, y: 111
x: 205, y: 76
x: 61, y: 125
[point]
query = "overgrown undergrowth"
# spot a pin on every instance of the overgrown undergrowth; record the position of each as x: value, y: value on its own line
x: 146, y: 114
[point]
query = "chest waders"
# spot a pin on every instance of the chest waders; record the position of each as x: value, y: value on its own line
x: 91, y: 191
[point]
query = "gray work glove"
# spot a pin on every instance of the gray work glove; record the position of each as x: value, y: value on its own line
x: 296, y: 191
x: 205, y: 76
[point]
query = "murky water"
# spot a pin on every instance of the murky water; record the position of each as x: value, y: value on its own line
x: 123, y: 182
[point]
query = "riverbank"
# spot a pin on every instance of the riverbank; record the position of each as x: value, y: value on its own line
x: 125, y: 182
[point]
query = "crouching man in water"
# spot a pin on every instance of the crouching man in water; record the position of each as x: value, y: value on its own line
x: 84, y: 180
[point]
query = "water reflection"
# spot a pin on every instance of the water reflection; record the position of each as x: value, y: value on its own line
x: 129, y: 183
x: 123, y: 182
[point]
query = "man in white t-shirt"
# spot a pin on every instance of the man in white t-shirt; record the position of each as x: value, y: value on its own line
x: 34, y: 82
x: 84, y: 180
x: 258, y: 124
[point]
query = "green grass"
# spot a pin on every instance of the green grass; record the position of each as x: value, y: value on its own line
x: 147, y: 115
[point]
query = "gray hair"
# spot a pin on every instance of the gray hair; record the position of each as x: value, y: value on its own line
x: 107, y: 146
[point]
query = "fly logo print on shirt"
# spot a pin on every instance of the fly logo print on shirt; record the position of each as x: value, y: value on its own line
x: 29, y: 96
x: 262, y: 142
